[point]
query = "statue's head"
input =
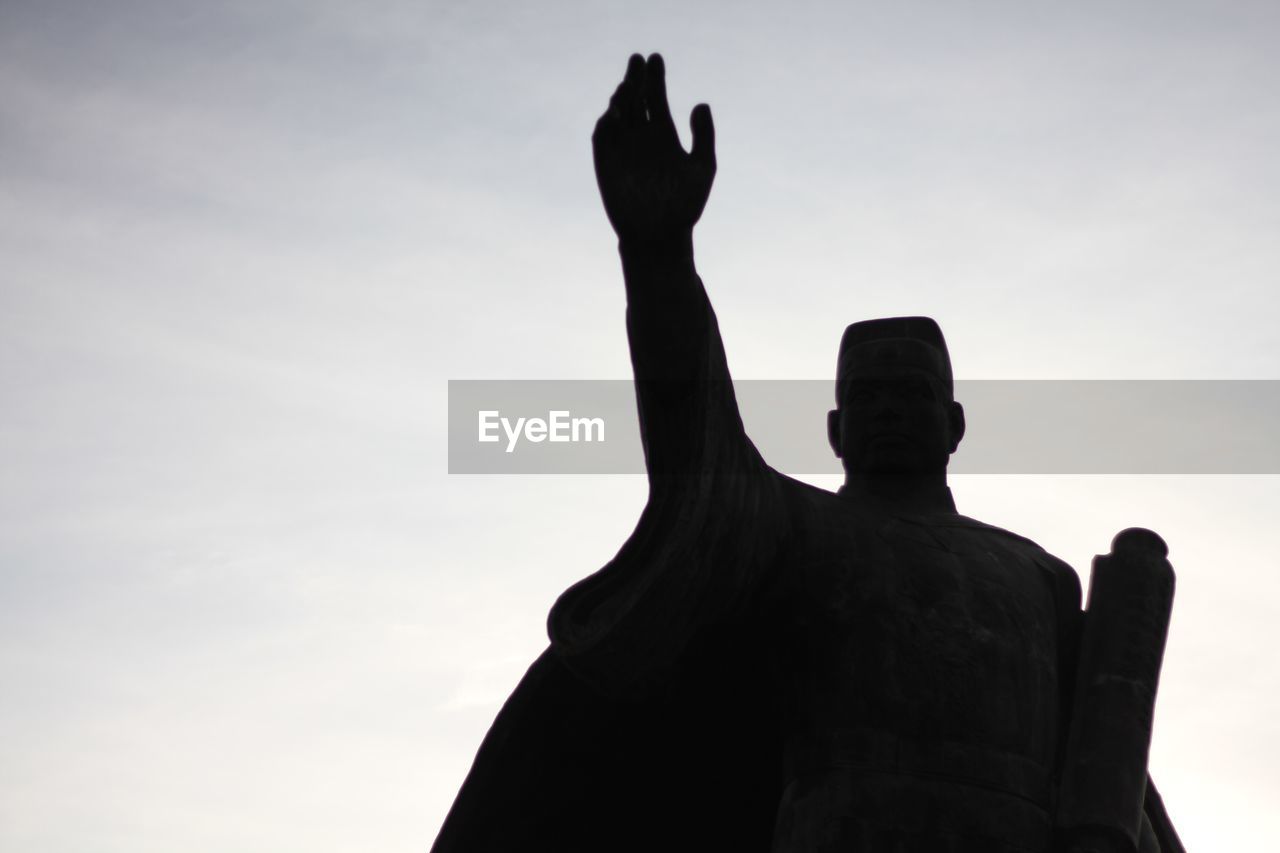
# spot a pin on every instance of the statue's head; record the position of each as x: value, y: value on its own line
x: 895, y: 406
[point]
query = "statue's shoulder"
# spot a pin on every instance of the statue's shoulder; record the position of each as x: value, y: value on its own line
x: 1018, y: 544
x: 964, y: 522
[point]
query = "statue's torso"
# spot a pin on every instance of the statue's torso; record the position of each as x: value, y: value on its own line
x: 917, y: 664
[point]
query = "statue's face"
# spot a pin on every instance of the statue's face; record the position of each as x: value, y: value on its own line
x: 895, y: 422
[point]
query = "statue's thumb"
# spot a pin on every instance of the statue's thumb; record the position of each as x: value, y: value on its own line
x: 704, y: 137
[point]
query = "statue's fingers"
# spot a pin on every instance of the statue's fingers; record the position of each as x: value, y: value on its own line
x: 655, y: 86
x: 628, y: 100
x: 635, y: 70
x: 704, y: 137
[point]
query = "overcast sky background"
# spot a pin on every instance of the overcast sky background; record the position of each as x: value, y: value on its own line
x: 242, y: 604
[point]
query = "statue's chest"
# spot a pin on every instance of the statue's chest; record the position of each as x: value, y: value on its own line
x: 919, y: 577
x: 890, y: 622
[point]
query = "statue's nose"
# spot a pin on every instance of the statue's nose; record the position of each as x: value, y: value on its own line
x: 888, y: 408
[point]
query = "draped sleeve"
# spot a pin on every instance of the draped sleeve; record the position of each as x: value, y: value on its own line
x: 713, y: 525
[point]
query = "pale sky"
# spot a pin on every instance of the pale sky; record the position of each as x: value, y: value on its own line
x: 245, y: 244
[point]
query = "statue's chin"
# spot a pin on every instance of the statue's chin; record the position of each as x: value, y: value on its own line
x: 899, y: 457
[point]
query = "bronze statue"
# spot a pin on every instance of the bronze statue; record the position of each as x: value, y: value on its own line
x: 769, y: 666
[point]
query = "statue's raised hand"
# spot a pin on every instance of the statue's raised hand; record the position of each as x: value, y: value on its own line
x: 653, y: 190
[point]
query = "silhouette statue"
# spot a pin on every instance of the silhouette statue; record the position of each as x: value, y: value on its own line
x: 769, y: 666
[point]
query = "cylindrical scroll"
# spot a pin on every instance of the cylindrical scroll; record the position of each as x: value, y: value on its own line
x: 1126, y: 623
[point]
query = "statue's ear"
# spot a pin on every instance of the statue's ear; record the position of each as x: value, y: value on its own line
x: 955, y: 419
x: 833, y: 430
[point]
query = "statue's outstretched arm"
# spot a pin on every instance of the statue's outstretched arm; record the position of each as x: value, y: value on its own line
x: 654, y: 193
x: 715, y: 519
